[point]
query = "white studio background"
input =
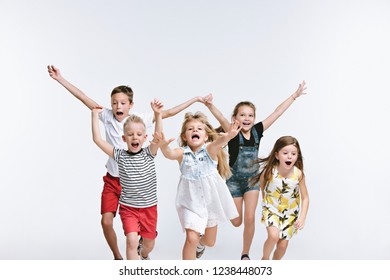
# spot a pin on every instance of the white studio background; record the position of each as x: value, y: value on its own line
x: 51, y: 171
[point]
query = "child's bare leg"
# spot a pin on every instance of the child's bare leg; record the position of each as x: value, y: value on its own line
x: 251, y: 199
x: 110, y: 235
x: 189, y: 248
x: 238, y: 201
x: 209, y: 237
x: 131, y: 246
x: 270, y: 242
x: 281, y: 248
x: 147, y: 246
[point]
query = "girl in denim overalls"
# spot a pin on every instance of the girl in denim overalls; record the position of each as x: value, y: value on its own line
x: 243, y: 152
x: 203, y: 200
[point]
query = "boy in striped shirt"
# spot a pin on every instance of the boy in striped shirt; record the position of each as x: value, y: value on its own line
x: 138, y: 199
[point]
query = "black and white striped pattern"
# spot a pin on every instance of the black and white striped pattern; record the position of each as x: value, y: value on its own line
x: 138, y: 178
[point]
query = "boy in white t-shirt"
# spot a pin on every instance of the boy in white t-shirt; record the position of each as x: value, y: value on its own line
x: 113, y: 120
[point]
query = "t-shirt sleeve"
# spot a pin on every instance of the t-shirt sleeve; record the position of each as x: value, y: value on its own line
x: 147, y: 118
x: 149, y: 153
x: 117, y: 154
x: 104, y: 115
x: 260, y: 129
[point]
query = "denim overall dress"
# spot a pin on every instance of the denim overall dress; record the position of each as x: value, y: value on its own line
x: 244, y: 167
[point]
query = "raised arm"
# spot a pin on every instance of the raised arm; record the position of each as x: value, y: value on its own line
x: 177, y: 109
x: 175, y: 154
x: 55, y: 73
x: 284, y: 106
x: 157, y: 108
x: 224, y: 122
x: 97, y: 138
x: 214, y: 147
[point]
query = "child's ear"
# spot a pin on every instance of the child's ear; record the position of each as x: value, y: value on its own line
x: 123, y: 138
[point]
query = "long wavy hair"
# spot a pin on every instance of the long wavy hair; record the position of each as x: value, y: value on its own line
x: 268, y: 163
x: 223, y: 165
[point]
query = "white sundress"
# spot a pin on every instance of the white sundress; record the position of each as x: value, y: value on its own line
x: 203, y: 199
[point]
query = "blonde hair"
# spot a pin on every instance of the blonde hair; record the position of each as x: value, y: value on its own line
x: 133, y: 119
x: 223, y: 166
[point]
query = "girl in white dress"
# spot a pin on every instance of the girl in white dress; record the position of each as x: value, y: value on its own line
x: 203, y: 199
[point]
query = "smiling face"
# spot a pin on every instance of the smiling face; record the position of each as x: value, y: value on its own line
x: 246, y: 117
x: 287, y: 157
x: 120, y: 105
x: 195, y: 134
x: 134, y: 136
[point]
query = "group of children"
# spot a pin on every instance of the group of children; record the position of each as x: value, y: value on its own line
x: 214, y: 186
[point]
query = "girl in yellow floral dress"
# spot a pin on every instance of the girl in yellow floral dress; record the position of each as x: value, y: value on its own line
x: 285, y: 196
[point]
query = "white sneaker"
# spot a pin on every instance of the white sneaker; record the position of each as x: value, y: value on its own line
x: 145, y: 258
x: 139, y: 251
x: 200, y: 250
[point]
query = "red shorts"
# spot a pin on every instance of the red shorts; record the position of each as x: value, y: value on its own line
x: 141, y: 220
x: 110, y: 194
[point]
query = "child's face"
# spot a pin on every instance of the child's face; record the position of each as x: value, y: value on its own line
x: 246, y: 117
x: 287, y: 157
x: 135, y: 136
x: 120, y: 105
x: 195, y: 134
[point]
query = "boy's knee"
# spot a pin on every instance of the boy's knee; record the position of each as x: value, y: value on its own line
x: 107, y: 221
x: 132, y: 242
x: 148, y: 244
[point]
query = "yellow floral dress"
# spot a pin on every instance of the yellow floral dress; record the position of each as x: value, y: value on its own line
x: 281, y: 203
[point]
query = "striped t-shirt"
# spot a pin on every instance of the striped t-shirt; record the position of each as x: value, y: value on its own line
x: 138, y: 178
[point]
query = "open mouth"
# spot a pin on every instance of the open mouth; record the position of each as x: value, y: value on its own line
x: 119, y: 113
x: 135, y: 145
x: 288, y: 162
x: 195, y: 136
x: 246, y: 123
